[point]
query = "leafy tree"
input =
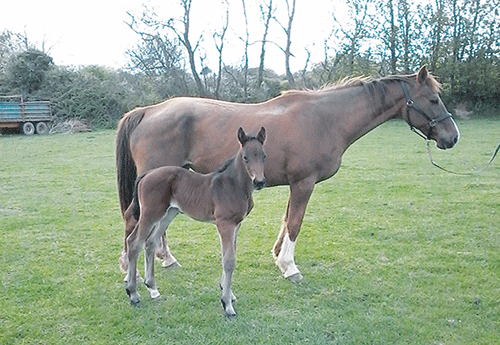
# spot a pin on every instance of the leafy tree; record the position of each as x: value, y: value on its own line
x: 25, y: 72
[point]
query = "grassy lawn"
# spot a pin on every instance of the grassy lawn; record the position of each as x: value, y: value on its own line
x: 393, y: 251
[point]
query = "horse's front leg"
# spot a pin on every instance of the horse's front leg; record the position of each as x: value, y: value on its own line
x: 228, y: 232
x: 284, y: 248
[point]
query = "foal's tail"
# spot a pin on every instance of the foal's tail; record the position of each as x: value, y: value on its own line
x: 126, y: 171
x: 136, y: 208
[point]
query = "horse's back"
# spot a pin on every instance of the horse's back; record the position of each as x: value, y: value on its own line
x: 175, y: 131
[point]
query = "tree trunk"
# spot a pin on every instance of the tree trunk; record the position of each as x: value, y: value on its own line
x: 260, y: 76
x: 289, y: 75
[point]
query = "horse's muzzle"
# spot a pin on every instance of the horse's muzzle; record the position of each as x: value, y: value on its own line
x: 447, y: 144
x: 259, y: 184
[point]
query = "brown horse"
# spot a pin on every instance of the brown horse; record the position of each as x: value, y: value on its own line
x: 308, y: 133
x: 223, y: 197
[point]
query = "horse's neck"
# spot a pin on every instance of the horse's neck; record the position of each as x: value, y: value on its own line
x: 365, y: 111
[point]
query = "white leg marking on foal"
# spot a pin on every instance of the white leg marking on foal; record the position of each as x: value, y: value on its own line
x: 285, y: 259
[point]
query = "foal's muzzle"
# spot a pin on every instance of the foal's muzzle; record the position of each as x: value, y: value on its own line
x: 259, y: 184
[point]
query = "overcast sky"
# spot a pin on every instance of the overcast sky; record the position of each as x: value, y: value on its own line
x: 95, y: 32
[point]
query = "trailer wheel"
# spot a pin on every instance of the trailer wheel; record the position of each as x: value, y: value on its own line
x: 42, y: 128
x: 28, y: 128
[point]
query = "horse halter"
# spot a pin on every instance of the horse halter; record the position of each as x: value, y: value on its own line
x: 432, y: 122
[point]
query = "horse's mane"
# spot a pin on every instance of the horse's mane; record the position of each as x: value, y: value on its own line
x: 370, y: 82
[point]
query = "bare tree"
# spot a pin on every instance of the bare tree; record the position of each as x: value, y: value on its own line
x: 304, y: 70
x: 437, y: 22
x: 219, y: 44
x: 183, y: 36
x: 267, y: 14
x: 288, y: 32
x: 246, y: 40
x: 393, y: 38
x: 405, y: 28
x: 355, y: 33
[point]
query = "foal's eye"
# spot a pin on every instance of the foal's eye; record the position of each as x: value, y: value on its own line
x: 245, y: 158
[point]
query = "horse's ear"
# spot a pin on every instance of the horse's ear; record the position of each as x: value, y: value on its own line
x: 262, y: 135
x: 242, y: 137
x: 422, y: 74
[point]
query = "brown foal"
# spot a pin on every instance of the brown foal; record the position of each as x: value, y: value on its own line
x: 223, y: 197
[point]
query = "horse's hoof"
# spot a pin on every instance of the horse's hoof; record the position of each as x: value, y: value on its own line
x: 295, y: 278
x: 174, y: 264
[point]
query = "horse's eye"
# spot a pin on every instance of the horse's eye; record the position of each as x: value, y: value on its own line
x: 245, y: 158
x: 434, y: 101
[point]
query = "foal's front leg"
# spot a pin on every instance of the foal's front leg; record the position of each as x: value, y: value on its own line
x: 228, y: 232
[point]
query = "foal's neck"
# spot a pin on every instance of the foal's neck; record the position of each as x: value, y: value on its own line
x: 239, y: 171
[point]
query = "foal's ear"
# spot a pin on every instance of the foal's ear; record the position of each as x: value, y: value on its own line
x: 242, y: 137
x: 422, y: 74
x: 262, y: 135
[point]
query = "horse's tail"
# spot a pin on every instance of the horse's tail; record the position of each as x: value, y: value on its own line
x: 126, y: 170
x: 136, y: 207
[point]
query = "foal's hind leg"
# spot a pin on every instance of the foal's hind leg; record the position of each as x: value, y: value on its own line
x: 134, y: 245
x: 130, y: 224
x: 151, y: 243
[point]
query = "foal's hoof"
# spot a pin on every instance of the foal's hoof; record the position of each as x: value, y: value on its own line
x: 295, y: 278
x: 134, y: 298
x: 231, y: 316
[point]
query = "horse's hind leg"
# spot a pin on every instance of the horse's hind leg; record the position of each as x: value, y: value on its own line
x: 149, y: 252
x: 284, y: 248
x: 228, y: 232
x: 163, y: 251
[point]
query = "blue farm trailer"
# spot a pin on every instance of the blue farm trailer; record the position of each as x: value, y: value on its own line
x: 29, y: 117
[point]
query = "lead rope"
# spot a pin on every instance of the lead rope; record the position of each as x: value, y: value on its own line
x: 461, y: 173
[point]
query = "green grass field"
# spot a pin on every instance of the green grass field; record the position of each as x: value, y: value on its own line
x: 393, y: 251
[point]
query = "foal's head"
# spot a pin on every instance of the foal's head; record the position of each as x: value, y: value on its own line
x: 252, y: 152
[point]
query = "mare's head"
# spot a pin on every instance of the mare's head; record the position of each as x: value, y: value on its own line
x: 253, y: 156
x: 426, y: 112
